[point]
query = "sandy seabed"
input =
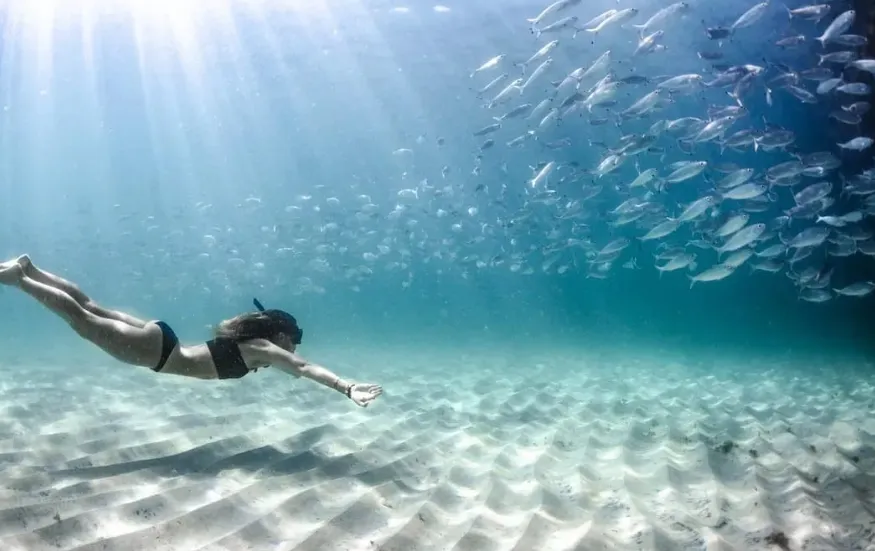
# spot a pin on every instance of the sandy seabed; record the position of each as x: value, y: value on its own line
x: 462, y: 453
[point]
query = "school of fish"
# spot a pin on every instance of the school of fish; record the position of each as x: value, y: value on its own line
x: 660, y: 191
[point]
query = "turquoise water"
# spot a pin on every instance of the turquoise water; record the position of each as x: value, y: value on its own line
x: 158, y: 157
x: 178, y: 158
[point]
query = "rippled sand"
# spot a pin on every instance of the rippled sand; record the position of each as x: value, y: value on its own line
x: 471, y: 453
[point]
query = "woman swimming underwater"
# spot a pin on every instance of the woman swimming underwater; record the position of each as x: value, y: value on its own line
x: 242, y: 344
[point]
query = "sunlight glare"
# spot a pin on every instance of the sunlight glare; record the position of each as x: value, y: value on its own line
x: 44, y: 10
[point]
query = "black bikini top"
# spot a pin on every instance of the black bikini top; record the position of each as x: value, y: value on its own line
x: 226, y: 355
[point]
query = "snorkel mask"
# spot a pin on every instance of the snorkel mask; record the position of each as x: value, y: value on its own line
x: 297, y: 335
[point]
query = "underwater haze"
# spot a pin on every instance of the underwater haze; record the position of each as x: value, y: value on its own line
x: 611, y: 263
x: 177, y: 160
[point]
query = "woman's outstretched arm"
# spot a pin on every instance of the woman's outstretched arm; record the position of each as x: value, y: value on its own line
x: 289, y: 362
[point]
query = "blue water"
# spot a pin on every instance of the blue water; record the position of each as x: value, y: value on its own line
x: 157, y: 156
x: 177, y: 159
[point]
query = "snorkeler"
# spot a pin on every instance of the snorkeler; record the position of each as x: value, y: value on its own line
x: 242, y: 344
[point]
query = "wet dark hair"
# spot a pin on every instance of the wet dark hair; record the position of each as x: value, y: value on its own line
x: 263, y: 324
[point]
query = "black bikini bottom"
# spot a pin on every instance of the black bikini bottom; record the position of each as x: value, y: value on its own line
x: 169, y: 341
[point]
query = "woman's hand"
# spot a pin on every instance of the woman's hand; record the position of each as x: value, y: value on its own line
x: 364, y: 393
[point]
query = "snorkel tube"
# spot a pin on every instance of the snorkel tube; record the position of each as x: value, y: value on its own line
x: 258, y: 304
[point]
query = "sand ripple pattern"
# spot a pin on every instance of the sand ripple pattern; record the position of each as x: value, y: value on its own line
x: 581, y: 455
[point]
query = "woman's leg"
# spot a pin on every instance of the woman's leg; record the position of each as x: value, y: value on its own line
x: 129, y: 344
x: 75, y: 293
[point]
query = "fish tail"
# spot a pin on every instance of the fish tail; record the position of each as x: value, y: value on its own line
x: 789, y: 13
x: 692, y: 280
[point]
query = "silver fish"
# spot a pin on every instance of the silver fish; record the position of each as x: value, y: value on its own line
x: 617, y: 18
x: 860, y: 289
x: 742, y: 238
x: 492, y: 63
x: 553, y: 9
x: 815, y: 295
x: 746, y: 191
x: 838, y: 27
x: 732, y: 225
x: 697, y: 208
x: 715, y: 273
x: 690, y: 170
x: 857, y: 144
x: 678, y: 262
x: 558, y: 26
x: 750, y: 17
x: 662, y: 230
x: 814, y: 12
x: 810, y: 237
x: 661, y: 16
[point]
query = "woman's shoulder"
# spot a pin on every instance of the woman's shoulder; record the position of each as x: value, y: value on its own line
x: 256, y: 344
x: 258, y: 352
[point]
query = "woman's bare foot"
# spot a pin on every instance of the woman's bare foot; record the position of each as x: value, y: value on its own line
x: 24, y: 262
x: 11, y: 272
